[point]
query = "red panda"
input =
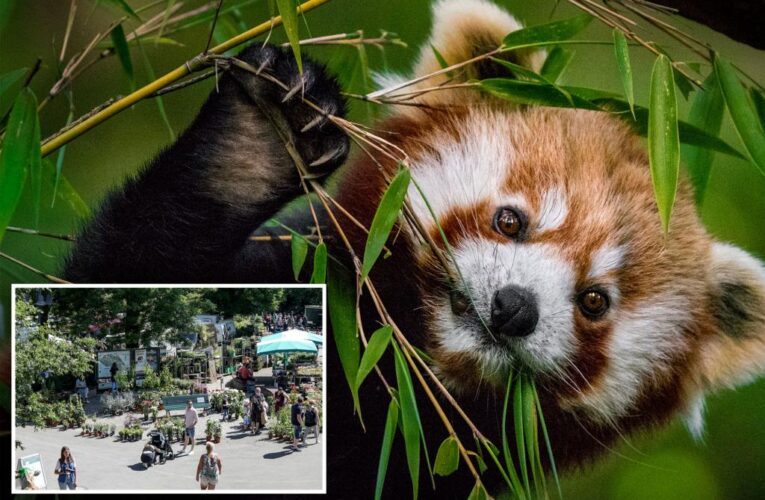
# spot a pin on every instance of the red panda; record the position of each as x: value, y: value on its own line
x: 551, y: 219
x: 549, y: 214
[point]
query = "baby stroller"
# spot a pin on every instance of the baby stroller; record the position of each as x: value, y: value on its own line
x: 160, y: 442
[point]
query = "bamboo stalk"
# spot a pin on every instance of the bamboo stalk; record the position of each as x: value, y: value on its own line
x: 164, y: 81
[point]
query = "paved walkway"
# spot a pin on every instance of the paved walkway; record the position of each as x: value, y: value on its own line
x: 249, y: 462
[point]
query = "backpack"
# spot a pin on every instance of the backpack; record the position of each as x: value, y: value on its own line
x: 310, y: 417
x: 210, y: 467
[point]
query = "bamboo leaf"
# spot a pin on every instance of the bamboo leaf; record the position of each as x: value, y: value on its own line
x: 123, y: 53
x: 391, y: 422
x: 440, y: 58
x: 64, y: 190
x: 478, y: 492
x: 548, y: 445
x: 10, y: 85
x: 35, y: 172
x: 509, y: 464
x: 663, y: 138
x: 542, y: 94
x: 341, y: 297
x: 160, y: 102
x: 519, y: 433
x: 546, y: 33
x: 288, y: 11
x: 742, y: 112
x: 410, y: 419
x: 384, y: 219
x: 378, y: 342
x: 706, y: 113
x: 759, y: 104
x: 556, y: 63
x: 124, y: 7
x: 625, y: 68
x: 447, y: 458
x: 319, y: 264
x: 531, y: 437
x: 19, y: 150
x: 299, y: 252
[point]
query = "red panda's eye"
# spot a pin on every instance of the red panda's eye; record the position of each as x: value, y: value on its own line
x: 508, y: 222
x: 593, y: 303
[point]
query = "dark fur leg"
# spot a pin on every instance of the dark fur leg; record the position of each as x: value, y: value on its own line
x: 187, y: 216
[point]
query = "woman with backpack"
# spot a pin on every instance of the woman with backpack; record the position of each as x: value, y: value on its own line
x: 209, y: 468
x: 311, y: 421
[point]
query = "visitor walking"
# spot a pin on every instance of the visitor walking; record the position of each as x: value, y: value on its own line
x: 190, y: 421
x: 280, y: 399
x: 209, y: 468
x: 311, y: 421
x: 114, y: 370
x: 81, y: 388
x: 255, y: 414
x: 66, y: 470
x: 297, y: 422
x: 225, y: 407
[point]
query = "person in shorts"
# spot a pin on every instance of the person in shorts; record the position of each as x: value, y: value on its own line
x: 209, y: 468
x: 190, y: 421
x: 297, y: 422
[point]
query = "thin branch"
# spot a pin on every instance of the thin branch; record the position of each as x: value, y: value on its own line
x: 26, y: 266
x: 24, y: 230
x: 212, y: 29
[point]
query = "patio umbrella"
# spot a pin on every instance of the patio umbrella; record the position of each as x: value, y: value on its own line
x: 285, y: 345
x: 295, y: 335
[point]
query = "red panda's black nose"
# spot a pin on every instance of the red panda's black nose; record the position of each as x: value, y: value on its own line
x: 514, y: 311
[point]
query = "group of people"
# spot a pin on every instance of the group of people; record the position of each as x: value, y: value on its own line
x: 277, y: 321
x: 304, y: 418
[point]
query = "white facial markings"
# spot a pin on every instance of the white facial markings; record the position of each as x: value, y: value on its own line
x: 462, y: 173
x: 606, y: 259
x: 553, y: 210
x: 639, y: 349
x: 486, y: 267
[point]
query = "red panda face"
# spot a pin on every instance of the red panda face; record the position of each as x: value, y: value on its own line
x: 561, y: 265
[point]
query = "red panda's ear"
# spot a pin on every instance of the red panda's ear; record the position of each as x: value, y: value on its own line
x: 735, y: 354
x: 462, y: 30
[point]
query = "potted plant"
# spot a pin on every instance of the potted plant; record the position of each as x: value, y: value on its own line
x: 210, y: 429
x: 217, y: 432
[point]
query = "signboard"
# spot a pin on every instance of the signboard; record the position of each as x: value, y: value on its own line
x: 36, y: 474
x: 106, y: 359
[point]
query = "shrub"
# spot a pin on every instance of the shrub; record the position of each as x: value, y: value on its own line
x: 150, y: 379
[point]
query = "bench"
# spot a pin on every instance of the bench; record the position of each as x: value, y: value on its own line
x: 200, y: 401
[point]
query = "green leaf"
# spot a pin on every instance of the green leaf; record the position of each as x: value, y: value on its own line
x: 509, y: 464
x: 10, y: 85
x: 123, y: 52
x: 391, y: 422
x: 520, y: 436
x: 531, y: 437
x: 288, y: 11
x: 319, y: 264
x: 548, y: 445
x: 706, y: 112
x: 410, y: 419
x: 341, y: 298
x: 384, y: 219
x: 742, y: 112
x: 556, y: 63
x: 663, y: 138
x: 478, y: 492
x: 447, y: 458
x: 20, y: 148
x: 625, y: 68
x: 546, y: 33
x: 160, y: 102
x: 441, y: 61
x: 374, y: 351
x: 64, y: 191
x: 759, y: 104
x: 299, y: 253
x: 124, y: 7
x: 689, y: 134
x: 6, y: 9
x: 541, y: 94
x: 35, y: 172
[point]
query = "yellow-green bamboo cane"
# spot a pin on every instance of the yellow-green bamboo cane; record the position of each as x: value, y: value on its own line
x: 173, y: 76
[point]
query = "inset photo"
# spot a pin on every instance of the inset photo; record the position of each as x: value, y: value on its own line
x: 166, y: 388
